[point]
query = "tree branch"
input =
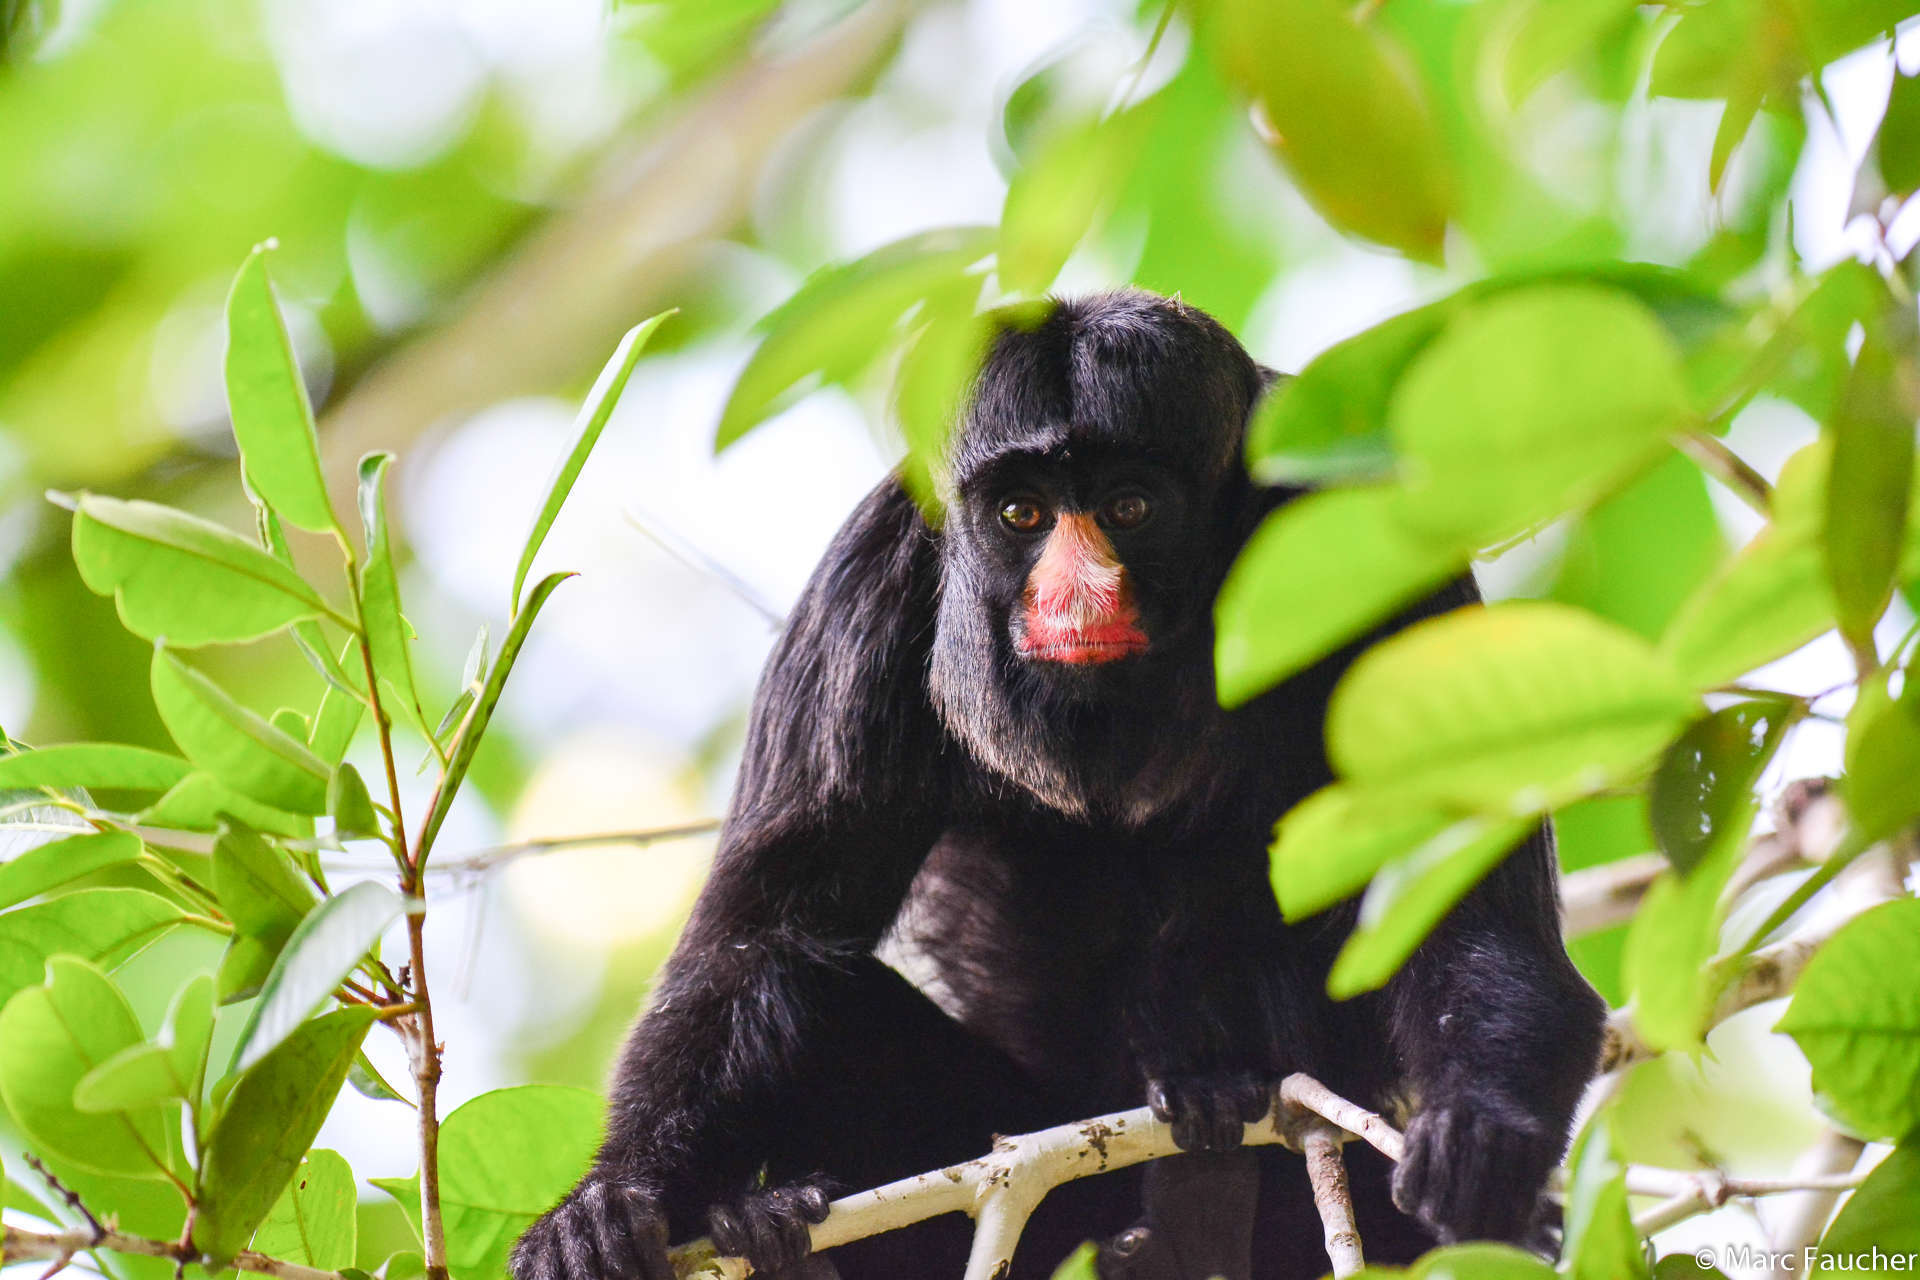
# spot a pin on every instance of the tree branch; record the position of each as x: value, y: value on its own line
x: 18, y: 1245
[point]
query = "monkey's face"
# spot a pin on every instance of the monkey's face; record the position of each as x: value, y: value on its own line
x: 1078, y: 553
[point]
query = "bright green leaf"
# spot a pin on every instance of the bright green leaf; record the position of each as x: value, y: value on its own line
x: 1349, y: 113
x: 842, y: 318
x: 592, y: 420
x: 257, y: 885
x: 53, y: 1035
x: 1481, y: 1262
x: 234, y: 744
x: 201, y: 802
x: 244, y: 968
x: 1329, y: 845
x: 1601, y: 1243
x: 1531, y: 402
x: 388, y: 634
x: 51, y: 865
x: 92, y: 764
x: 1079, y: 1265
x: 350, y: 805
x: 457, y: 767
x: 1413, y: 893
x: 1869, y: 481
x: 1882, y: 782
x: 337, y: 718
x: 313, y: 1222
x: 326, y: 947
x: 272, y: 418
x: 1856, y: 1015
x: 138, y: 1077
x: 1898, y: 143
x: 1071, y: 180
x: 1670, y: 941
x: 267, y: 1124
x: 103, y: 926
x: 188, y: 1031
x: 1516, y: 707
x: 1318, y: 573
x: 369, y: 1083
x: 181, y: 579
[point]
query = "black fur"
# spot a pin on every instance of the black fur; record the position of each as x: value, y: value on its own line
x: 1075, y: 859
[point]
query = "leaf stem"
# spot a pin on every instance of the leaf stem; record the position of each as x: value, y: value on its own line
x: 1729, y: 468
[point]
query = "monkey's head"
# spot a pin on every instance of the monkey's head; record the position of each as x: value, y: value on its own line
x: 1096, y: 497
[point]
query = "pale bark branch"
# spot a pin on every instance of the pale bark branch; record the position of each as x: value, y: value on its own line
x: 1328, y: 1174
x: 19, y: 1245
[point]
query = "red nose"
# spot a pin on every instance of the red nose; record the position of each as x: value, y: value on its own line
x: 1079, y: 602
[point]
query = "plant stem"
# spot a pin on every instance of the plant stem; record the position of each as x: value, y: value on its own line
x: 1729, y: 468
x: 425, y: 1052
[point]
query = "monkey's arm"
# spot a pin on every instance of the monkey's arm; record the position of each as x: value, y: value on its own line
x: 1499, y: 1035
x: 836, y: 806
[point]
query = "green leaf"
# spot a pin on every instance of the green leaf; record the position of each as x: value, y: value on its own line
x: 326, y: 947
x: 505, y: 1158
x: 313, y: 1223
x: 1702, y: 792
x: 1879, y: 1214
x: 1072, y: 179
x: 592, y: 420
x: 232, y: 743
x: 1351, y: 116
x: 1079, y: 1265
x: 188, y: 1032
x: 244, y: 968
x: 267, y: 1124
x: 369, y: 1083
x: 1883, y: 760
x: 1331, y: 418
x: 92, y: 764
x: 53, y: 1035
x: 1316, y: 574
x: 350, y: 805
x: 1898, y: 143
x: 934, y: 375
x: 1534, y: 401
x: 1329, y: 845
x: 1480, y: 1262
x: 257, y: 885
x: 1513, y: 708
x: 181, y: 579
x: 336, y: 719
x: 138, y: 1077
x: 842, y: 318
x: 103, y: 926
x: 201, y: 803
x: 1412, y: 894
x: 272, y: 419
x: 1600, y: 1241
x: 51, y: 865
x: 1856, y: 1015
x: 379, y: 587
x: 1868, y: 482
x: 462, y: 760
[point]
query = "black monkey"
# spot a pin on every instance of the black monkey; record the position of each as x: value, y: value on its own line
x: 998, y: 743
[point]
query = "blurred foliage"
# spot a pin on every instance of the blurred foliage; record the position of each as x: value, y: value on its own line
x: 1605, y: 264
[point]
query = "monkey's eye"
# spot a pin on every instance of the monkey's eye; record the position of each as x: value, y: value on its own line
x: 1024, y: 515
x: 1126, y: 511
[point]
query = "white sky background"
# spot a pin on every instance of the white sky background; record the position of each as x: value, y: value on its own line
x: 645, y: 661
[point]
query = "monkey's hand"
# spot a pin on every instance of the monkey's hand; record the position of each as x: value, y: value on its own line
x: 604, y: 1230
x: 1475, y: 1172
x: 769, y: 1227
x: 1209, y: 1111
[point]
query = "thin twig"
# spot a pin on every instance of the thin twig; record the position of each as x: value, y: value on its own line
x: 1728, y: 467
x: 18, y: 1245
x: 1328, y: 1175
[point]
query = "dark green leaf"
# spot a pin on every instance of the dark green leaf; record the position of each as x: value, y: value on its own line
x: 181, y: 579
x: 92, y: 764
x: 457, y: 767
x: 1350, y: 113
x: 388, y: 634
x: 53, y: 1035
x: 232, y: 743
x: 1703, y: 790
x: 100, y: 925
x: 592, y: 420
x: 313, y: 1222
x: 272, y: 419
x: 1868, y: 482
x: 267, y: 1124
x: 1531, y: 402
x: 1898, y: 142
x: 1856, y: 1015
x: 62, y: 862
x: 1879, y: 1215
x: 327, y: 946
x: 843, y: 318
x: 369, y: 1083
x: 1512, y: 708
x: 1318, y: 573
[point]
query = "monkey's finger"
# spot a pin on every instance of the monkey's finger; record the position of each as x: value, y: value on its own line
x: 814, y: 1203
x: 1160, y: 1101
